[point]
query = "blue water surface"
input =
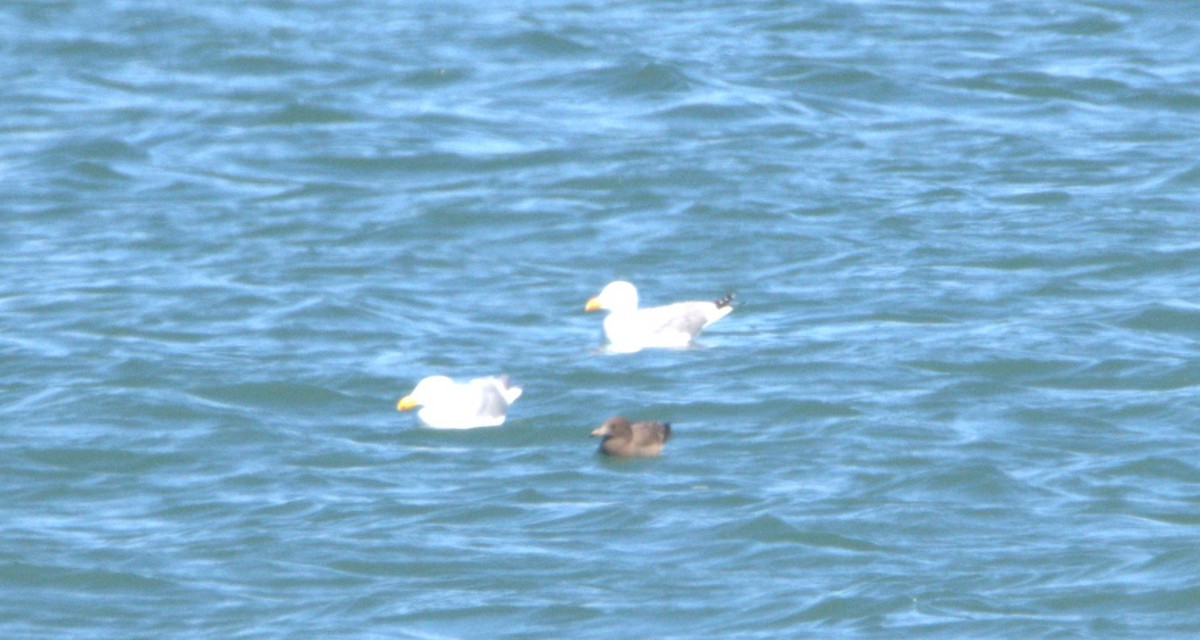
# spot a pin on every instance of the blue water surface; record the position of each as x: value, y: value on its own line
x: 958, y: 396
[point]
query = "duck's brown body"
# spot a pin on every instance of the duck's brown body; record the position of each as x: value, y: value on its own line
x: 636, y: 440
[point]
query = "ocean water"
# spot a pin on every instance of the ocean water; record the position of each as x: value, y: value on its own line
x: 959, y: 395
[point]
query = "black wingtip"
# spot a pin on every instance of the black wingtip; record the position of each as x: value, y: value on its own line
x: 666, y: 431
x: 724, y: 301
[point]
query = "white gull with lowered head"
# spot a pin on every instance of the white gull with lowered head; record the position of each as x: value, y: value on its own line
x: 446, y: 404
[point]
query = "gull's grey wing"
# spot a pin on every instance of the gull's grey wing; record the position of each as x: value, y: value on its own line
x: 681, y: 317
x: 491, y: 402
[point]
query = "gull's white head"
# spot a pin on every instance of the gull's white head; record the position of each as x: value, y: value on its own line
x: 426, y: 390
x: 616, y: 296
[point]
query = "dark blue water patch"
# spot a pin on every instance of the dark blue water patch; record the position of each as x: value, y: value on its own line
x: 819, y: 81
x: 1178, y: 600
x: 300, y: 114
x: 1188, y: 177
x: 772, y: 530
x: 337, y: 460
x: 109, y: 458
x: 458, y: 618
x: 1185, y: 518
x: 763, y: 528
x: 559, y: 616
x: 1029, y: 85
x: 1149, y: 469
x: 1093, y: 24
x: 442, y: 76
x: 974, y: 484
x: 1177, y: 559
x: 605, y: 516
x: 403, y: 166
x: 97, y: 175
x: 84, y: 584
x: 835, y: 543
x: 1175, y: 99
x: 1157, y: 317
x: 848, y: 612
x: 727, y: 111
x: 315, y: 195
x: 540, y: 43
x: 102, y: 580
x: 372, y: 569
x: 1116, y: 374
x: 99, y: 149
x: 85, y: 48
x: 511, y: 439
x: 819, y: 20
x: 636, y: 78
x: 1054, y: 198
x: 246, y: 64
x: 279, y: 394
x: 1007, y: 369
x: 1137, y: 601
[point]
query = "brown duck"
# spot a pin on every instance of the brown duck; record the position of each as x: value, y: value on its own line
x: 640, y: 439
